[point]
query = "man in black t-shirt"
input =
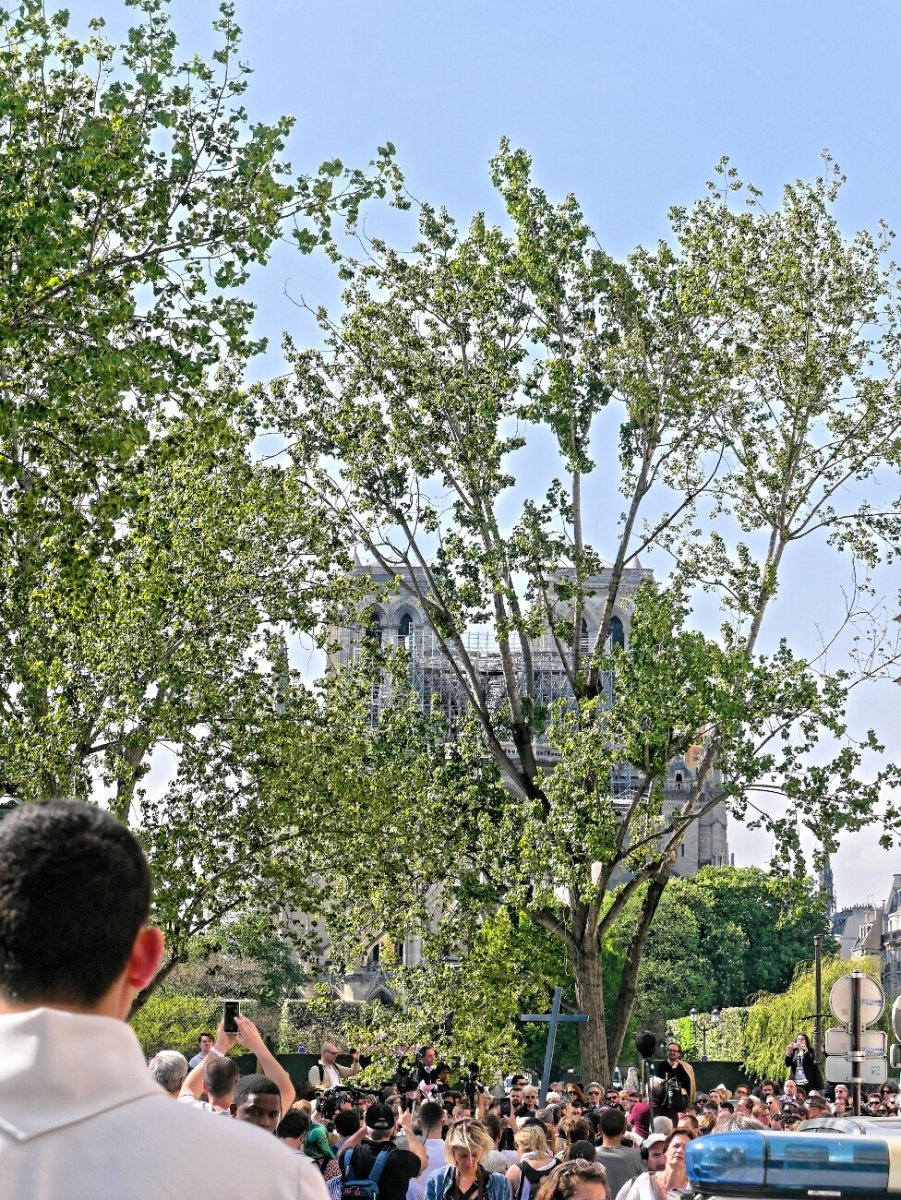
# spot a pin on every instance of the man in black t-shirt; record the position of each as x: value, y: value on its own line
x: 402, y: 1165
x: 679, y: 1078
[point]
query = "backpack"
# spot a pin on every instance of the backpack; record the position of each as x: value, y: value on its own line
x: 531, y: 1178
x: 362, y: 1189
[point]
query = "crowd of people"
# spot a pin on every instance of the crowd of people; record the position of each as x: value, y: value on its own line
x: 83, y: 1114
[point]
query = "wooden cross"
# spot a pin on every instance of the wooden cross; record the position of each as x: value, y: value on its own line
x: 553, y: 1018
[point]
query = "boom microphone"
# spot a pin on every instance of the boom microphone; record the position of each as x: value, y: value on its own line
x: 646, y: 1043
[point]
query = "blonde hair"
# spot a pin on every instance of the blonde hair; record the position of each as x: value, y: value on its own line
x: 532, y: 1139
x: 469, y: 1136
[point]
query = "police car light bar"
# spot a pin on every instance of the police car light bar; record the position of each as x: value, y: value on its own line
x: 795, y: 1163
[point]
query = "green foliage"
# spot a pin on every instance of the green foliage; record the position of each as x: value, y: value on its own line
x: 717, y: 938
x: 175, y: 1022
x: 738, y: 359
x: 305, y: 1024
x: 252, y: 956
x: 467, y: 1007
x: 726, y: 1042
x: 148, y: 559
x: 773, y: 1021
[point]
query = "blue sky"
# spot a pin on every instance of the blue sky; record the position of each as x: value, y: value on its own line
x: 629, y: 104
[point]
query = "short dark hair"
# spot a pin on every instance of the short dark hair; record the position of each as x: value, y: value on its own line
x: 581, y: 1149
x: 430, y: 1115
x: 347, y: 1121
x: 254, y: 1085
x: 293, y: 1124
x: 490, y: 1120
x: 612, y: 1122
x: 74, y: 892
x: 219, y: 1075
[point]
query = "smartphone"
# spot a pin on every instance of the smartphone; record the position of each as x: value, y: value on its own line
x: 230, y: 1010
x: 505, y: 1108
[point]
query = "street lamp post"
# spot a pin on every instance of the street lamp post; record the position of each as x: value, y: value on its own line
x: 701, y: 1025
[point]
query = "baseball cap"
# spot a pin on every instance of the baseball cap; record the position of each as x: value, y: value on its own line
x: 379, y: 1116
x: 652, y: 1140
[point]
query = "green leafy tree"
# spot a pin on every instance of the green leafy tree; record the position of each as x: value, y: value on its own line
x: 727, y: 379
x: 467, y: 1007
x: 149, y: 562
x: 175, y: 1022
x: 773, y: 1020
x: 721, y: 936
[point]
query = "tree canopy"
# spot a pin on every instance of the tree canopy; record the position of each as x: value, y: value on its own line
x: 149, y: 559
x: 740, y: 382
x: 774, y: 1020
x: 721, y: 936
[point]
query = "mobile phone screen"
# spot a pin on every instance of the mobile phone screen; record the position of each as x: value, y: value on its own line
x: 231, y: 1010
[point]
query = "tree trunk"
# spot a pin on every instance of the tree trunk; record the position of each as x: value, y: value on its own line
x: 625, y: 1000
x: 590, y: 1000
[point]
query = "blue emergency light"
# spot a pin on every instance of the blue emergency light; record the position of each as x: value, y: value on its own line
x: 778, y: 1163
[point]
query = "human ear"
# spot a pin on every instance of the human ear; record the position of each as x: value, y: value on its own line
x: 144, y: 958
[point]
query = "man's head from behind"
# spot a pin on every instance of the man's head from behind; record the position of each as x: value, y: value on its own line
x: 220, y: 1076
x: 169, y: 1069
x: 74, y: 895
x: 257, y: 1100
x: 431, y: 1116
x: 347, y: 1121
x: 293, y: 1128
x: 612, y: 1123
x: 380, y: 1122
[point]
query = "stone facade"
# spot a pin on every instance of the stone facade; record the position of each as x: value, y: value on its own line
x: 398, y: 618
x: 879, y: 935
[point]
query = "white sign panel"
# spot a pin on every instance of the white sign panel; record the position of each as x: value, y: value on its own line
x: 871, y: 1072
x: 896, y: 1018
x: 872, y: 1000
x: 870, y: 1041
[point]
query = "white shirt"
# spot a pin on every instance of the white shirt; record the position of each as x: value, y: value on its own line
x: 331, y: 1075
x: 81, y: 1117
x: 434, y: 1148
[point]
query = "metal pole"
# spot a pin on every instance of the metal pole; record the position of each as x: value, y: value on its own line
x: 551, y: 1038
x: 855, y: 1040
x: 818, y: 987
x: 648, y: 1077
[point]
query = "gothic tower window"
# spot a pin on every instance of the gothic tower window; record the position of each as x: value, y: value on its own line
x: 617, y: 633
x: 405, y: 629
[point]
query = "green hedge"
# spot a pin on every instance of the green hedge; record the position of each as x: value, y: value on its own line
x: 757, y: 1036
x: 727, y: 1042
x: 175, y: 1022
x: 774, y: 1020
